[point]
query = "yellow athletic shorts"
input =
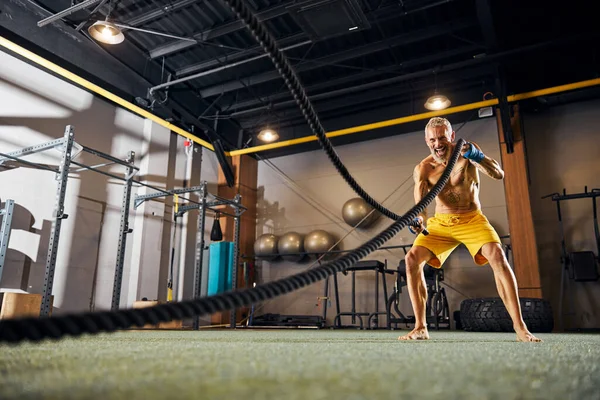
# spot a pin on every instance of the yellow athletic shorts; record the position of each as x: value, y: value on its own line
x: 447, y: 231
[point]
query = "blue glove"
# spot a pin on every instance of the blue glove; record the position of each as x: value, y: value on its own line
x: 415, y: 223
x: 474, y: 154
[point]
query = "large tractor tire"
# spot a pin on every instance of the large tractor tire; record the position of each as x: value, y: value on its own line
x: 490, y: 315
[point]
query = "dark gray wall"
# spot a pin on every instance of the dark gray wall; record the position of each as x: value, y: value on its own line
x: 562, y: 148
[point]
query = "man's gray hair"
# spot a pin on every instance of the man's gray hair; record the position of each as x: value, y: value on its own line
x: 439, y: 121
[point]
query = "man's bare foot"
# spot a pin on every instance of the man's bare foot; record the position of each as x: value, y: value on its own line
x: 416, y: 334
x: 523, y: 335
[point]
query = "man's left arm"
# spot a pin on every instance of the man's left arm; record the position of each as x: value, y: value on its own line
x: 485, y: 164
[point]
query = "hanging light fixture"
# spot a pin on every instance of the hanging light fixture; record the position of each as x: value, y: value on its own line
x: 267, y: 135
x: 437, y: 102
x: 106, y: 32
x: 110, y: 32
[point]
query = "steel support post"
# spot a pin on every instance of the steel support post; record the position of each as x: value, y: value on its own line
x: 58, y: 215
x: 236, y: 253
x: 124, y: 231
x: 6, y: 213
x: 199, y: 249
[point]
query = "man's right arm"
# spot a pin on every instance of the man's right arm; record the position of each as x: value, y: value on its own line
x: 421, y: 188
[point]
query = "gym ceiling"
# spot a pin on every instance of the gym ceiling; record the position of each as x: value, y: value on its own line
x: 360, y: 61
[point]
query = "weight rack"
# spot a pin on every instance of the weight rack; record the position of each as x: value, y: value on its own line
x: 208, y: 201
x: 66, y: 145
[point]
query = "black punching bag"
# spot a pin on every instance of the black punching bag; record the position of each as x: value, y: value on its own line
x: 216, y: 235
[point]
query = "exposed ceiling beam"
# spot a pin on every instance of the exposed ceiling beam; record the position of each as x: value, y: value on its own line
x: 376, y: 99
x: 491, y: 58
x: 342, y: 97
x: 159, y: 12
x: 486, y: 22
x: 222, y: 67
x: 66, y: 12
x: 216, y: 32
x: 381, y: 14
x: 350, y: 54
x: 360, y: 76
x: 233, y: 57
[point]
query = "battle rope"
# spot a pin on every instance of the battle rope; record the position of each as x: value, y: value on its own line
x: 267, y: 42
x: 36, y: 329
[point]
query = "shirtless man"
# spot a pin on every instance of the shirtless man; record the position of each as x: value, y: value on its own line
x: 458, y: 219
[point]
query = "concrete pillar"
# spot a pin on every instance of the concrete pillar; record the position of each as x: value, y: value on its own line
x: 148, y: 223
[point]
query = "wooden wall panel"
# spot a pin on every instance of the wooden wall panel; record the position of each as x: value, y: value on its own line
x: 520, y: 219
x: 246, y: 175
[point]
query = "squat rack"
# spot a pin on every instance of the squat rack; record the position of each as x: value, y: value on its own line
x: 208, y: 201
x: 583, y: 262
x: 67, y: 146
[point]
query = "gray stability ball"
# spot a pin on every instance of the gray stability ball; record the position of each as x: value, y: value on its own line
x: 266, y: 244
x: 291, y: 243
x: 354, y: 210
x: 318, y: 241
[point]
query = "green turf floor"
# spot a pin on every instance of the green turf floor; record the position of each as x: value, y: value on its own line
x: 302, y: 364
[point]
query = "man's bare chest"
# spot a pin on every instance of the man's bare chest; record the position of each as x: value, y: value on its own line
x: 463, y: 174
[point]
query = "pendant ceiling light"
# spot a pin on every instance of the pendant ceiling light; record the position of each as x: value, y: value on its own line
x: 437, y: 102
x: 268, y: 135
x: 111, y: 32
x: 106, y: 32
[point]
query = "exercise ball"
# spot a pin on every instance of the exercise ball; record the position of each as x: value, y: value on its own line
x: 354, y: 210
x: 318, y: 241
x: 291, y: 243
x: 266, y: 244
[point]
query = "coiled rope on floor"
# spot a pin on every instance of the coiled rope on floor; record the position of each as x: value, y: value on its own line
x: 283, y: 66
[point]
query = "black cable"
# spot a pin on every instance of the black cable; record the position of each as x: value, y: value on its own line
x: 37, y: 329
x: 267, y: 42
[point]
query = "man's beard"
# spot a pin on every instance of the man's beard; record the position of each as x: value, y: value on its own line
x: 443, y: 158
